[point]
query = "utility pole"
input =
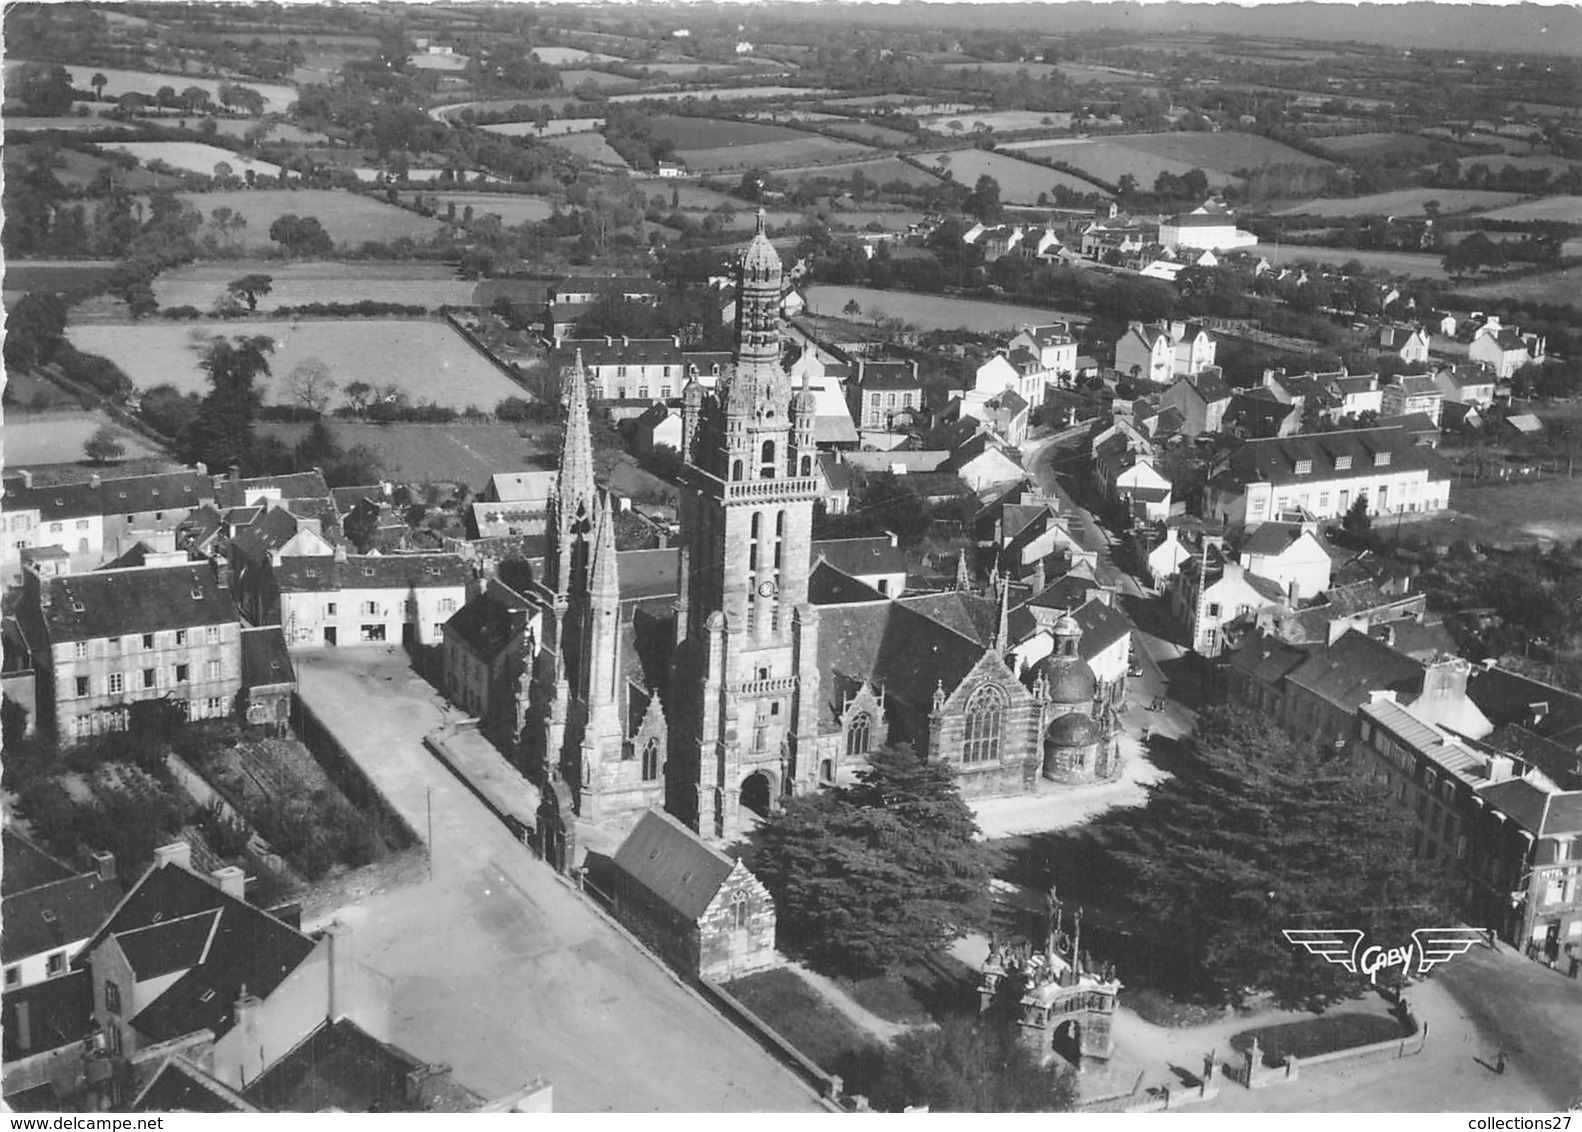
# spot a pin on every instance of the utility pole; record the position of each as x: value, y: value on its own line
x: 429, y: 799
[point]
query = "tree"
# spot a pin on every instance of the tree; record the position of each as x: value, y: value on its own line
x: 44, y: 89
x: 165, y: 96
x: 358, y: 394
x: 98, y: 82
x: 968, y: 1064
x: 1254, y: 833
x: 877, y: 874
x: 311, y: 384
x: 103, y: 446
x: 1357, y: 522
x: 250, y: 288
x: 852, y: 309
x: 301, y: 235
x: 195, y: 98
x: 984, y: 203
x: 168, y: 410
x: 222, y: 432
x: 33, y: 329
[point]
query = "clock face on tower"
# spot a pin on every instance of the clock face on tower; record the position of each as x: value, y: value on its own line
x: 766, y: 589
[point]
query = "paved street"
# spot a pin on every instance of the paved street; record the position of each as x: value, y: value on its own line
x: 498, y: 969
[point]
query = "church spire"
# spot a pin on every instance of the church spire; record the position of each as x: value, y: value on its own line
x: 963, y: 574
x: 1002, y: 635
x: 603, y: 578
x: 575, y: 487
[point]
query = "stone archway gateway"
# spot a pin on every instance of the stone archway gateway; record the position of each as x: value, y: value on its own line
x: 756, y: 793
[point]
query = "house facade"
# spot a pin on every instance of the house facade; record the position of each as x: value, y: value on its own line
x: 1413, y: 393
x: 368, y: 599
x: 1202, y: 398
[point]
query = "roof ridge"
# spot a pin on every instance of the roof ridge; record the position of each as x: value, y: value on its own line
x: 215, y: 911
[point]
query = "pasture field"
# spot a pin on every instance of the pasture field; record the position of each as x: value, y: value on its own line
x: 349, y: 218
x: 67, y: 125
x: 867, y: 132
x: 717, y: 133
x: 118, y: 82
x: 1402, y: 202
x: 1505, y: 513
x: 1085, y: 73
x: 1223, y: 153
x: 565, y: 56
x: 1020, y: 181
x: 80, y: 169
x: 57, y: 437
x: 1526, y: 162
x: 1005, y: 121
x: 1564, y: 286
x: 1036, y: 70
x: 195, y: 157
x: 1109, y: 161
x: 511, y: 208
x: 318, y: 281
x: 552, y: 127
x: 801, y: 150
x: 1568, y: 209
x: 880, y: 171
x: 1505, y: 143
x: 238, y: 127
x: 1343, y: 146
x: 723, y: 94
x: 591, y: 147
x: 426, y: 359
x: 426, y: 62
x: 451, y: 453
x: 1421, y: 265
x: 928, y: 312
x: 57, y: 275
x: 564, y: 105
x: 602, y: 79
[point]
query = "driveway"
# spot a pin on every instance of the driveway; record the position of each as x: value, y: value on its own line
x: 499, y: 970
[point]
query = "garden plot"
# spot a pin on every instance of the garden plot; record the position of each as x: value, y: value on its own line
x: 928, y: 312
x: 589, y: 147
x: 118, y: 82
x: 1402, y: 202
x: 349, y: 218
x: 550, y: 128
x: 425, y: 360
x: 511, y: 208
x: 195, y: 157
x: 296, y: 284
x: 1021, y: 182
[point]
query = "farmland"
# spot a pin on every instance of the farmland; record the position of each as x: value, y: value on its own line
x: 1421, y: 265
x: 1003, y: 121
x: 1353, y: 145
x: 195, y: 157
x: 1021, y: 182
x: 1402, y: 202
x: 427, y: 62
x: 927, y: 312
x: 561, y: 56
x: 723, y: 94
x: 1222, y: 153
x: 239, y: 127
x: 20, y: 125
x: 349, y: 218
x: 295, y: 284
x: 717, y: 133
x: 56, y: 275
x: 602, y: 79
x: 1567, y: 209
x: 119, y: 82
x: 1564, y: 286
x: 880, y: 171
x: 511, y: 208
x: 452, y: 453
x: 593, y: 147
x: 553, y: 126
x: 1526, y: 162
x: 57, y: 437
x: 802, y: 149
x: 1109, y: 160
x: 1035, y: 70
x: 867, y: 132
x: 426, y: 360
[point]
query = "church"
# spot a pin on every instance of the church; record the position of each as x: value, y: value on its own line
x: 769, y: 672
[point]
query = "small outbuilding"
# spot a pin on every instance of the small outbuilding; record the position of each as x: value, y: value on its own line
x: 703, y: 911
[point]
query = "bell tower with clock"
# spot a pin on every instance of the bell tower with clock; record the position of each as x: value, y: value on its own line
x: 746, y: 655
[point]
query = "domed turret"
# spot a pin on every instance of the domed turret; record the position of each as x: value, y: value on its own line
x: 1068, y: 678
x: 1072, y: 730
x: 761, y: 263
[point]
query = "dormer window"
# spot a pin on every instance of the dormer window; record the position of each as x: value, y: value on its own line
x: 197, y: 594
x: 1342, y: 463
x: 1304, y: 467
x: 368, y: 571
x: 1381, y: 459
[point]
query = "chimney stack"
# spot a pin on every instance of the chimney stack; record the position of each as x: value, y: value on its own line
x: 232, y: 881
x: 104, y: 865
x: 27, y: 478
x: 177, y: 853
x: 341, y: 998
x: 340, y: 552
x: 95, y: 482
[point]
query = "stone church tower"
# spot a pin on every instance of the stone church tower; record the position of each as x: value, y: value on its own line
x: 744, y: 734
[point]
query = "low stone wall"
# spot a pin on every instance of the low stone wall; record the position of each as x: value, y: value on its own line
x: 344, y: 772
x: 829, y: 1086
x: 514, y: 804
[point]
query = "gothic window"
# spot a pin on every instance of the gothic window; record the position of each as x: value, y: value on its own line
x: 768, y: 460
x: 859, y: 734
x: 807, y: 465
x: 736, y: 470
x: 651, y: 760
x: 780, y: 524
x: 739, y: 910
x: 985, y: 719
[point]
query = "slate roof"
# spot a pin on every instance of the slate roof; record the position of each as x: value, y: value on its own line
x: 974, y: 617
x: 828, y: 586
x: 673, y: 863
x: 1102, y: 624
x: 1268, y: 659
x: 348, y: 497
x: 1417, y: 639
x: 1209, y: 386
x: 1275, y: 460
x: 296, y: 485
x: 1355, y: 665
x: 1558, y: 761
x: 1273, y: 538
x: 633, y: 352
x: 1542, y: 812
x: 1064, y: 593
x: 180, y: 1086
x: 170, y: 945
x: 1417, y: 385
x: 892, y: 646
x: 51, y: 915
x: 265, y: 661
x: 1414, y: 423
x: 887, y: 375
x: 649, y: 574
x: 1509, y: 697
x: 124, y: 496
x: 491, y: 621
x: 535, y: 484
x: 26, y: 865
x: 117, y: 603
x: 305, y: 573
x: 60, y: 1011
x: 248, y: 946
x: 836, y: 472
x: 341, y: 1067
x: 859, y: 556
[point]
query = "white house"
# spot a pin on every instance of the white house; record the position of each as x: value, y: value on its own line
x: 369, y: 599
x: 1213, y: 594
x: 1290, y: 554
x: 1466, y: 385
x: 1503, y: 349
x: 1413, y: 393
x: 1164, y: 560
x: 1159, y: 351
x: 1409, y: 343
x: 1053, y: 348
x: 1144, y: 491
x: 1209, y: 226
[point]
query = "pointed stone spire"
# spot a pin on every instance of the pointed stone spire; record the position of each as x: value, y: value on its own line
x: 963, y: 574
x: 574, y: 487
x: 603, y: 578
x: 1002, y: 635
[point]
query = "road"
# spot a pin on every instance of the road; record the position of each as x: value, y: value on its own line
x: 501, y: 971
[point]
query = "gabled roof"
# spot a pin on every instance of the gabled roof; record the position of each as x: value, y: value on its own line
x: 27, y: 866
x: 490, y: 622
x: 1414, y: 423
x: 891, y: 646
x: 304, y: 574
x: 113, y: 603
x: 1208, y: 385
x: 296, y: 485
x: 170, y: 945
x: 265, y: 661
x: 1417, y: 385
x: 877, y: 554
x: 1103, y: 624
x: 1272, y: 538
x: 969, y: 614
x: 1509, y: 697
x: 340, y: 1067
x: 1276, y: 460
x: 128, y: 495
x: 670, y: 861
x: 1544, y: 813
x: 180, y: 1086
x: 836, y: 472
x: 828, y: 586
x: 649, y: 574
x: 1355, y: 665
x: 1268, y: 659
x: 51, y: 915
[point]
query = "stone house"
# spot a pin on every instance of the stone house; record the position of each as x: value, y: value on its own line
x: 1413, y: 393
x: 269, y: 680
x: 366, y: 599
x: 1202, y: 398
x: 703, y: 911
x: 488, y: 645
